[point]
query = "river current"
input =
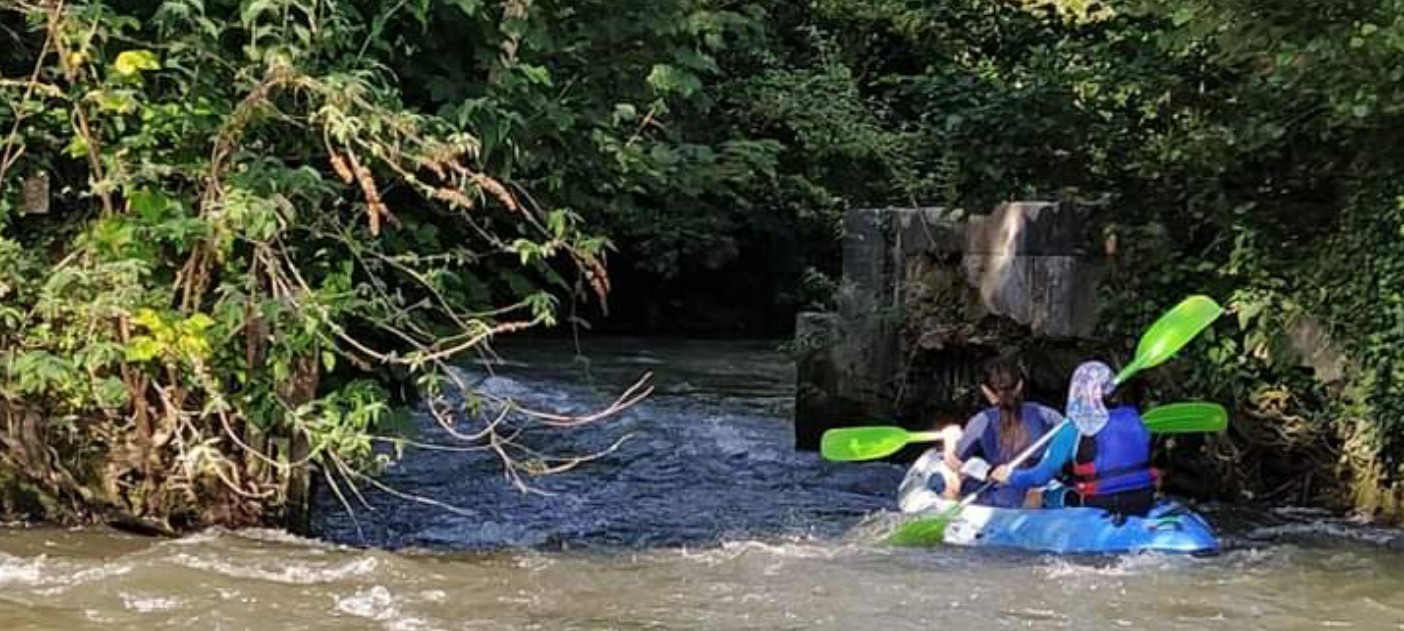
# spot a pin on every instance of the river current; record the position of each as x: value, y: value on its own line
x: 703, y: 518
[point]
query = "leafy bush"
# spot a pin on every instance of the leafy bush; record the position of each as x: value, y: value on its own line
x: 251, y: 236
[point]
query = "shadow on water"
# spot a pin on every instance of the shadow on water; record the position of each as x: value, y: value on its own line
x: 709, y: 458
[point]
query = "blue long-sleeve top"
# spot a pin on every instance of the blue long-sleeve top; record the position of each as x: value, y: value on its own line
x: 981, y: 435
x: 981, y: 438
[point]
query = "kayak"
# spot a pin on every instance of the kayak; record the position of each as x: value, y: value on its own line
x: 1170, y: 527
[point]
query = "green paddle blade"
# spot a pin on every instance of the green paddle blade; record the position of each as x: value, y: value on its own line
x: 1171, y: 332
x: 868, y: 443
x: 921, y: 532
x: 927, y: 531
x: 1187, y: 417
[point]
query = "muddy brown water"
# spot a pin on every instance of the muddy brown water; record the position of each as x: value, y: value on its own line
x: 705, y: 520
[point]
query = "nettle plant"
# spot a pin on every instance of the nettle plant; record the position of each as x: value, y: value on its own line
x: 251, y: 240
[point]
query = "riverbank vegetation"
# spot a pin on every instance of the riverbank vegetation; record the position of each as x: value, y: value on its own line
x: 224, y: 220
x: 227, y: 241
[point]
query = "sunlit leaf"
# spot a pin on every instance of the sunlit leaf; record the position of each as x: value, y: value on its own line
x: 131, y: 62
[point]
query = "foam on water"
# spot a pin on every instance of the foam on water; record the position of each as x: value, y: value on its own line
x: 148, y: 603
x: 379, y: 604
x: 731, y: 551
x: 1334, y: 529
x: 1138, y: 564
x: 17, y: 570
x: 64, y: 577
x: 277, y: 570
x: 49, y: 575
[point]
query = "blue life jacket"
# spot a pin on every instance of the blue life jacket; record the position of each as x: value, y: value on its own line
x: 1116, y: 459
x: 1002, y: 495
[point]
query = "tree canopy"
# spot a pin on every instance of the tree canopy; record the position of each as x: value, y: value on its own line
x: 218, y: 215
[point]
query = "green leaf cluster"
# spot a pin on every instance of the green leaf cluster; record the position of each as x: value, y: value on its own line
x: 252, y: 240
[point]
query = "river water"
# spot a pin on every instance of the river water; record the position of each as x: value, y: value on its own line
x: 703, y: 519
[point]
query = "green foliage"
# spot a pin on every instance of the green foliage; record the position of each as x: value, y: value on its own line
x: 1277, y: 180
x: 636, y: 116
x: 251, y: 237
x: 1249, y: 151
x: 266, y: 211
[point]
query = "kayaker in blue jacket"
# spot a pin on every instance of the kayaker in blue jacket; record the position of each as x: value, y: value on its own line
x: 997, y: 434
x: 1108, y: 470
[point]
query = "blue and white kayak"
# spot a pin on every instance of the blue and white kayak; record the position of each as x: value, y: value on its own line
x: 1170, y: 527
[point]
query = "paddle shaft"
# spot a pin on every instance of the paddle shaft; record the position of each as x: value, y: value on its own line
x: 878, y: 442
x: 1043, y: 440
x: 924, y: 437
x: 1018, y: 460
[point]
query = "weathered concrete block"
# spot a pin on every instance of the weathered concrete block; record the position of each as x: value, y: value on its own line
x: 925, y: 231
x: 36, y: 194
x: 871, y: 299
x: 1030, y: 262
x: 818, y: 378
x: 1054, y: 296
x: 1032, y: 228
x: 915, y: 301
x: 1309, y: 344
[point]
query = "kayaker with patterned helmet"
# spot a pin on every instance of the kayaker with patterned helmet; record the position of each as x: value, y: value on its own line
x: 1103, y: 456
x: 997, y: 434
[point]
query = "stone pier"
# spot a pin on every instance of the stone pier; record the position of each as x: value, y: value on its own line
x: 927, y: 297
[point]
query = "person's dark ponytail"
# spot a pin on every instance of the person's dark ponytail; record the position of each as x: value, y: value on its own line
x: 1005, y: 378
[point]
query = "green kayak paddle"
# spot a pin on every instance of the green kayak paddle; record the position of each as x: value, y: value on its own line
x: 1171, y: 332
x: 1186, y: 417
x: 846, y: 444
x: 849, y: 444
